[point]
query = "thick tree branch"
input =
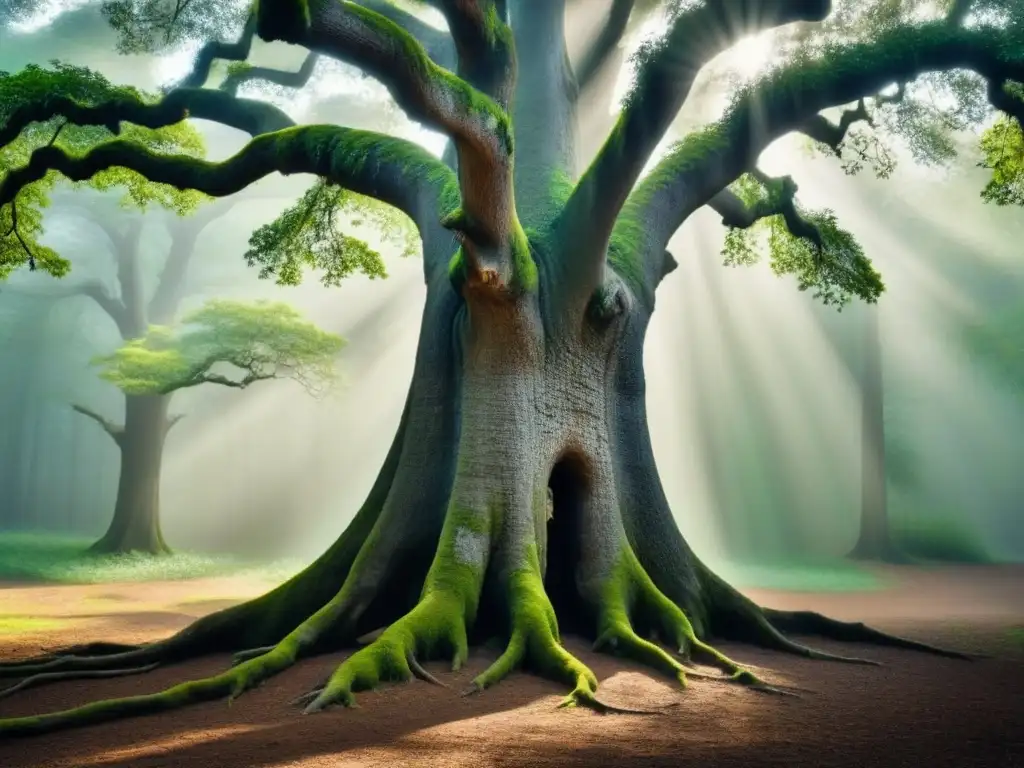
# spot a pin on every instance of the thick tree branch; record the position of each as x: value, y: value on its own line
x: 664, y: 78
x: 438, y: 44
x: 601, y: 47
x: 115, y: 431
x: 390, y: 169
x: 479, y: 127
x: 253, y: 117
x: 789, y: 100
x: 483, y: 45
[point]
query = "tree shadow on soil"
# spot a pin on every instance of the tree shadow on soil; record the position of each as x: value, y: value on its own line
x: 917, y: 710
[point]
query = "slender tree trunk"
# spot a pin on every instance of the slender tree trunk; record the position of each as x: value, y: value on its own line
x: 136, y: 523
x: 873, y: 541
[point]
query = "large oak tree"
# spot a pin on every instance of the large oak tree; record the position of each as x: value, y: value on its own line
x: 520, y: 496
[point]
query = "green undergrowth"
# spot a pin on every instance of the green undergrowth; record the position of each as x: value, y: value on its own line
x: 926, y: 537
x: 802, y: 576
x: 36, y: 557
x: 26, y: 625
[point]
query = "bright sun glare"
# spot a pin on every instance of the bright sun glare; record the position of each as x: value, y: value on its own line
x: 750, y: 55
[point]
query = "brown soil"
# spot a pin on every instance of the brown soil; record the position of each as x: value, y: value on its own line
x: 916, y: 711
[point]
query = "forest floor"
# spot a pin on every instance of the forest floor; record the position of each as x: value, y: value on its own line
x: 915, y: 711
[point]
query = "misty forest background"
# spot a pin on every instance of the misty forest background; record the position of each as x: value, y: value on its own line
x: 755, y: 390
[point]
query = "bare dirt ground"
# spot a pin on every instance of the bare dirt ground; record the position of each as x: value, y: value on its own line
x: 915, y: 711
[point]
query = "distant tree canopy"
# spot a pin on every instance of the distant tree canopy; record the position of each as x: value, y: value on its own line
x: 265, y: 340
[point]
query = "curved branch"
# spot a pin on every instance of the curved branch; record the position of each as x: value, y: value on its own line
x: 214, y: 50
x: 171, y: 421
x: 202, y: 376
x: 114, y: 430
x: 480, y: 128
x: 285, y: 79
x: 390, y: 169
x: 438, y: 44
x: 789, y: 100
x: 483, y: 45
x: 737, y: 214
x: 664, y: 78
x: 253, y: 117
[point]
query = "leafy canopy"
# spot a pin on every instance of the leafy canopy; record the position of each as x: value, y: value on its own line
x: 307, y: 234
x: 21, y: 222
x: 159, y: 26
x: 1002, y: 149
x: 259, y: 340
x: 836, y: 272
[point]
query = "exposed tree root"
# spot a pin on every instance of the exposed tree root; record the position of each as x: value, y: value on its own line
x: 435, y: 626
x: 85, y: 649
x: 147, y: 654
x: 44, y: 678
x: 250, y: 653
x: 811, y: 623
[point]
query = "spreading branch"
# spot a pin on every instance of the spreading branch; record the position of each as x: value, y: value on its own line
x: 216, y: 49
x: 737, y: 214
x: 479, y: 127
x: 438, y: 44
x: 389, y: 169
x: 203, y: 376
x: 249, y: 115
x: 789, y: 100
x: 114, y: 430
x: 283, y: 78
x: 666, y: 72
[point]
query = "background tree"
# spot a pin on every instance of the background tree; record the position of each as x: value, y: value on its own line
x: 529, y: 373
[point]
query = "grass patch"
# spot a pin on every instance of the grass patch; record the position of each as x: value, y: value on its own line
x: 930, y: 538
x: 838, y: 576
x: 62, y: 560
x: 22, y: 625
